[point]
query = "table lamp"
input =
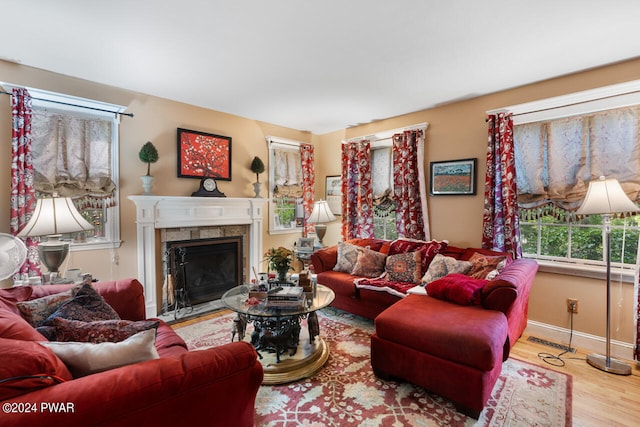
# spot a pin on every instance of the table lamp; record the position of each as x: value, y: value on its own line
x: 320, y: 215
x: 52, y: 217
x: 605, y: 197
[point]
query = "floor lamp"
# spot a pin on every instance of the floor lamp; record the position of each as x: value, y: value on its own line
x: 52, y: 217
x: 605, y: 197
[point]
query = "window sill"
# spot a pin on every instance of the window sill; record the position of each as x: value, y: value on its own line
x: 581, y: 270
x: 285, y: 231
x: 94, y: 246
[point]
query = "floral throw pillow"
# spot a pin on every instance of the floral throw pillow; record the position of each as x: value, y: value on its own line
x: 99, y: 331
x: 347, y: 257
x: 405, y: 267
x: 486, y: 266
x: 37, y: 310
x: 370, y: 263
x: 443, y: 265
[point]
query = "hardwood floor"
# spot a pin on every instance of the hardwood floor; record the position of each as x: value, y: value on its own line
x: 599, y: 398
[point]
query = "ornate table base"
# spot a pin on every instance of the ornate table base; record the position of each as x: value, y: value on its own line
x: 303, y: 352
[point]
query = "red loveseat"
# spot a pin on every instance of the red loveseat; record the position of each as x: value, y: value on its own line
x: 216, y: 386
x: 453, y: 350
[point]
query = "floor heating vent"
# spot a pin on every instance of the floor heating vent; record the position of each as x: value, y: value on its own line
x: 551, y: 344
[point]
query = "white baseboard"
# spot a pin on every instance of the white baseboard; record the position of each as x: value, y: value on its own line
x: 596, y: 344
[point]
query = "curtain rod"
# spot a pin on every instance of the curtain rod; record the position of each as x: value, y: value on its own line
x: 73, y: 105
x: 390, y: 132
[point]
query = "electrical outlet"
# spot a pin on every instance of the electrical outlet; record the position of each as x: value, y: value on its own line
x: 572, y: 305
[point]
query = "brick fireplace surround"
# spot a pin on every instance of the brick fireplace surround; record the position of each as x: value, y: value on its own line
x: 189, y: 214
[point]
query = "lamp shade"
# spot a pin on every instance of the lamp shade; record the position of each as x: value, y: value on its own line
x: 605, y: 196
x: 54, y: 215
x: 321, y: 213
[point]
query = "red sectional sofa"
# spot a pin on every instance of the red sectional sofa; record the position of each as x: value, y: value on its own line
x: 452, y: 349
x: 216, y: 386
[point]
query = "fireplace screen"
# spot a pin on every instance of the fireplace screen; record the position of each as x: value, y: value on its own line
x: 204, y: 269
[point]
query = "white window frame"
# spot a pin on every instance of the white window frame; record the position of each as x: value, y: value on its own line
x: 575, y: 104
x: 88, y: 107
x: 275, y: 142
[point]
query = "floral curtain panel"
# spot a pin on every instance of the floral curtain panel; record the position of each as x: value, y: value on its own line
x: 357, y: 190
x: 23, y: 198
x: 308, y: 183
x: 409, y: 185
x: 500, y: 220
x: 557, y: 159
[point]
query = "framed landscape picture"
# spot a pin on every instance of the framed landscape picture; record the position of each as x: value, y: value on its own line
x: 203, y: 154
x: 453, y: 177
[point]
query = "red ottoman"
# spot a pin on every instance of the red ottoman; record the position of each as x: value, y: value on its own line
x: 452, y: 350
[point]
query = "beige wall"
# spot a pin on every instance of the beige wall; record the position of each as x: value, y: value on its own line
x: 457, y: 130
x: 155, y: 120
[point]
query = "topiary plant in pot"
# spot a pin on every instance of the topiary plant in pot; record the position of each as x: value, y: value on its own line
x: 257, y: 167
x: 148, y: 154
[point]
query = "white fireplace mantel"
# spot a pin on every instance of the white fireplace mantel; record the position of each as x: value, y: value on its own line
x: 158, y: 212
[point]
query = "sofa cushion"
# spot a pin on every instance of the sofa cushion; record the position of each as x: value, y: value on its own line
x: 10, y: 296
x: 486, y: 266
x: 86, y: 305
x: 347, y: 257
x: 458, y: 288
x: 87, y: 358
x: 98, y: 331
x: 37, y: 310
x: 469, y: 335
x: 443, y: 265
x: 13, y: 326
x: 26, y: 366
x: 369, y: 263
x: 405, y: 267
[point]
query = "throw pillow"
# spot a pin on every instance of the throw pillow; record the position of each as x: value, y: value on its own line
x: 369, y: 264
x: 99, y: 331
x: 443, y: 265
x: 405, y: 267
x: 37, y: 310
x: 457, y: 288
x: 485, y: 266
x: 347, y: 257
x: 26, y: 366
x: 10, y: 296
x: 87, y: 305
x: 88, y: 358
x: 428, y: 250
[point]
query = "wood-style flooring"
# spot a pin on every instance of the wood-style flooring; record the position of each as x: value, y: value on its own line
x: 599, y: 398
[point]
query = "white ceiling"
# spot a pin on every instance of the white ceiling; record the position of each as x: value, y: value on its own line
x: 318, y: 65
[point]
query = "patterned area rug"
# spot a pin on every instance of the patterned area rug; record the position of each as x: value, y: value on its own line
x: 347, y: 393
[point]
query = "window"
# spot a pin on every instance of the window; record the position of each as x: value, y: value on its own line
x: 384, y: 208
x: 285, y: 186
x: 561, y: 145
x: 75, y: 154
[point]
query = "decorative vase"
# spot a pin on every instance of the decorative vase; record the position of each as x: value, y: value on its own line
x: 256, y: 188
x: 282, y: 274
x: 147, y: 183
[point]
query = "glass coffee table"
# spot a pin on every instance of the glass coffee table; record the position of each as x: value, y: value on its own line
x: 287, y: 351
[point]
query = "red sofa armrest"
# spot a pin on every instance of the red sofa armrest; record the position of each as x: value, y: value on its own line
x: 218, y: 385
x: 324, y: 259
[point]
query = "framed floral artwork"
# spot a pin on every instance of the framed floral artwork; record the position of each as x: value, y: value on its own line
x: 454, y: 177
x: 203, y: 154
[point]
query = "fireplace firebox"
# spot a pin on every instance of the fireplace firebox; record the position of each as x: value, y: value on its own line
x: 204, y: 269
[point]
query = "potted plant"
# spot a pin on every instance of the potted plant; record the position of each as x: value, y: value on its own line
x: 257, y: 167
x: 148, y: 154
x: 279, y: 259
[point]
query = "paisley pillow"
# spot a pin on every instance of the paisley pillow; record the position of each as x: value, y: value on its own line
x: 370, y: 263
x: 405, y: 267
x: 443, y: 265
x: 347, y: 257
